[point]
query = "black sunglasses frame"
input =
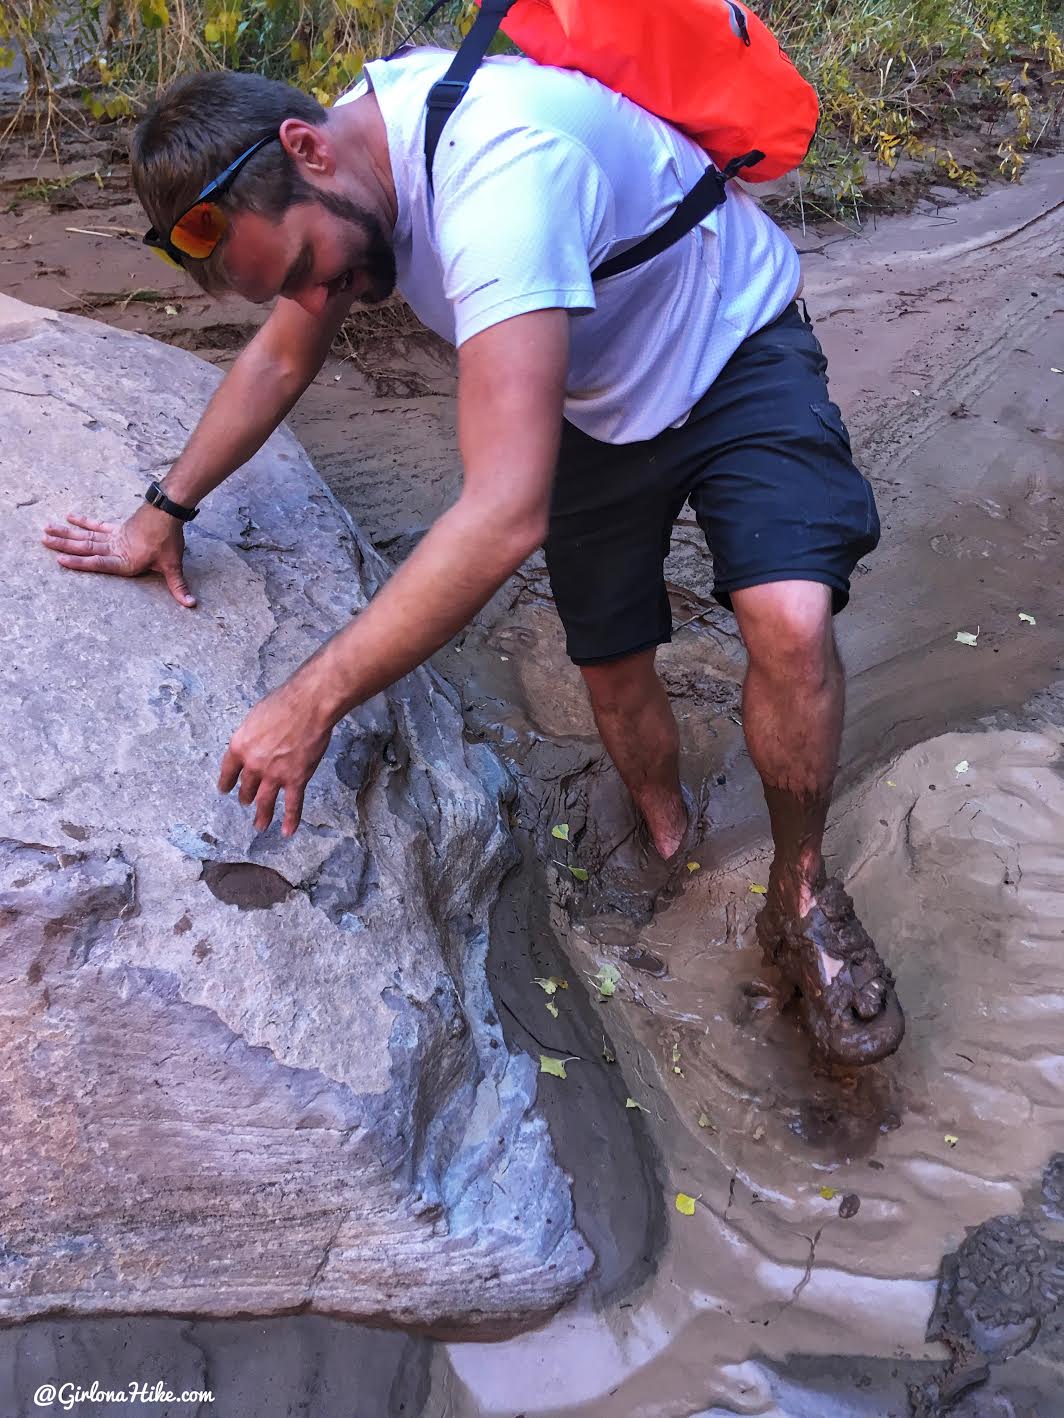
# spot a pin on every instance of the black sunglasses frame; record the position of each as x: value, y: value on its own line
x: 217, y: 188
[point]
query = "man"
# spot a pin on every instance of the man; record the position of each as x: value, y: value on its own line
x: 691, y: 377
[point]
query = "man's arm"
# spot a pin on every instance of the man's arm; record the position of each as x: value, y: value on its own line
x: 511, y: 388
x: 259, y: 390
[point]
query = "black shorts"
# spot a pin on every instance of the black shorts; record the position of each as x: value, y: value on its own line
x: 764, y: 460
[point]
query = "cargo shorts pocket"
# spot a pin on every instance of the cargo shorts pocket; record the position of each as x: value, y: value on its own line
x: 852, y: 500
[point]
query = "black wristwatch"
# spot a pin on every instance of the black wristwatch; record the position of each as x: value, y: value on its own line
x: 158, y: 498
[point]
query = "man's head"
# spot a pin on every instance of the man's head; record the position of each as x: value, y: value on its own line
x: 306, y: 217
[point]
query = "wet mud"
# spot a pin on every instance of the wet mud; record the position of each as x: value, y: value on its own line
x: 805, y: 1280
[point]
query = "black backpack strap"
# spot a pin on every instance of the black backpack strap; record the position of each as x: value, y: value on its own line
x: 447, y: 93
x: 707, y: 194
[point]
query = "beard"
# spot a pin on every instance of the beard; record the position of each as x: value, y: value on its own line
x: 376, y: 255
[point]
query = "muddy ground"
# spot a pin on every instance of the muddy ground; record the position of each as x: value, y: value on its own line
x: 945, y: 333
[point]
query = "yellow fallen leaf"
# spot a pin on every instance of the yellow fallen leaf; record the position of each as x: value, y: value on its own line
x: 555, y: 1067
x: 951, y: 1140
x: 606, y: 981
x: 170, y: 309
x: 759, y: 890
x: 561, y: 831
x: 552, y: 984
x: 967, y: 638
x: 703, y: 1121
x: 685, y: 1204
x: 552, y: 1008
x: 1027, y: 619
x: 631, y: 1103
x: 829, y: 1193
x: 962, y: 767
x: 891, y: 783
x: 694, y: 866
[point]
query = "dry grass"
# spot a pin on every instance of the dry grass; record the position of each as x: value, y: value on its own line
x: 897, y: 78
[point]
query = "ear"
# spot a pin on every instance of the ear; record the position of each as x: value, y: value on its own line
x: 308, y: 147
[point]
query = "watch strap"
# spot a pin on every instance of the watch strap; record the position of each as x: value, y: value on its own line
x: 158, y: 498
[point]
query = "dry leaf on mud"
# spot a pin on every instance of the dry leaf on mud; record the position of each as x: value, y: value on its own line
x: 891, y: 783
x: 759, y: 890
x: 552, y: 1008
x: 171, y: 309
x: 631, y: 1103
x: 1027, y: 619
x: 561, y: 831
x: 962, y: 767
x: 703, y: 1121
x: 694, y: 866
x: 685, y: 1204
x: 606, y: 981
x: 967, y: 638
x: 551, y: 985
x: 829, y: 1193
x: 951, y: 1139
x: 555, y: 1067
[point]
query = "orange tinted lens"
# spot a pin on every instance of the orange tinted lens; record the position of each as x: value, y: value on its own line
x: 199, y: 230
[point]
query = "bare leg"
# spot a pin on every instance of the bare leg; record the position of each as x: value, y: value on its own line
x: 793, y: 701
x: 792, y: 712
x: 637, y: 726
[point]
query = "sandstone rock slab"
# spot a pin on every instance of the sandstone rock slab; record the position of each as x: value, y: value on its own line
x: 238, y: 1075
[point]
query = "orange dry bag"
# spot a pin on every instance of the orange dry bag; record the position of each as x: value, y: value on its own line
x: 709, y: 66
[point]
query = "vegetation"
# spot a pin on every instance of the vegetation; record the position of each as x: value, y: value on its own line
x: 902, y: 82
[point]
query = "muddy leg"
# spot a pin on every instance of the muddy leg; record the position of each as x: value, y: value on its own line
x: 636, y: 722
x: 793, y: 702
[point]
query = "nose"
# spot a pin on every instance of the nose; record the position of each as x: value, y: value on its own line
x: 313, y: 299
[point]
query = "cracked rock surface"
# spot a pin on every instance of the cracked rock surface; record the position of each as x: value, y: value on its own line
x: 238, y: 1075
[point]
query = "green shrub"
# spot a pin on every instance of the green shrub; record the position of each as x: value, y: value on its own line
x: 895, y: 79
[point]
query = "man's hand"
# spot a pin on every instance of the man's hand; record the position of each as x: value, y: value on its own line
x: 511, y: 388
x: 275, y: 749
x: 150, y: 540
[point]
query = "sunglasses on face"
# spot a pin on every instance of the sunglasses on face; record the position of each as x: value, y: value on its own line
x: 200, y: 228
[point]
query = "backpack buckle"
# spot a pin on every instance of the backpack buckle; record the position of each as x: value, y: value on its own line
x: 447, y: 94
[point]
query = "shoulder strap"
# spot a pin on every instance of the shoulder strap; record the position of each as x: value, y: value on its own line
x: 447, y: 93
x: 707, y: 194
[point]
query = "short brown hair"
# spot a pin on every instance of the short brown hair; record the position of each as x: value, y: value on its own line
x: 193, y: 131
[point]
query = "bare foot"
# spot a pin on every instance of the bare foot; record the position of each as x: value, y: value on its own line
x: 666, y: 821
x: 847, y: 994
x: 645, y: 870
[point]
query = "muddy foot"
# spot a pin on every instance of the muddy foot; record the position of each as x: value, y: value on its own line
x: 851, y: 1013
x: 634, y: 881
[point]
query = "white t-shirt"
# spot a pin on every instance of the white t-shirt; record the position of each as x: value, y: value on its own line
x: 539, y: 176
